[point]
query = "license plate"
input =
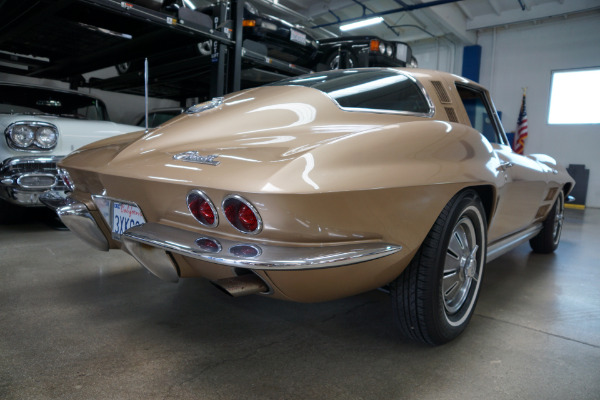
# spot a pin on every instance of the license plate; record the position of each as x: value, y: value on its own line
x: 125, y: 216
x: 297, y: 37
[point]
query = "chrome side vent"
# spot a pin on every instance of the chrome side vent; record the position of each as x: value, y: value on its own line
x: 441, y: 91
x: 451, y: 114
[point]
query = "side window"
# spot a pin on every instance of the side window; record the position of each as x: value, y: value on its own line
x: 479, y: 113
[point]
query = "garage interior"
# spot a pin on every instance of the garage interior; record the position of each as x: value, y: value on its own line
x: 83, y: 324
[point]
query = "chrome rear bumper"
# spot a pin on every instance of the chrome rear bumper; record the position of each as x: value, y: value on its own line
x: 150, y: 244
x: 77, y: 217
x: 251, y: 256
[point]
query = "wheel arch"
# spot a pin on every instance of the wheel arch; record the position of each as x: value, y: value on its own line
x: 567, y: 189
x: 487, y: 194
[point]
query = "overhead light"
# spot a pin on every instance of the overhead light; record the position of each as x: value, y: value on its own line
x: 362, y: 23
x: 189, y: 4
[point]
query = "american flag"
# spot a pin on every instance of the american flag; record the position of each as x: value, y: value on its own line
x: 521, y: 133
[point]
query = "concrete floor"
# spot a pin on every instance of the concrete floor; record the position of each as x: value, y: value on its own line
x: 81, y: 324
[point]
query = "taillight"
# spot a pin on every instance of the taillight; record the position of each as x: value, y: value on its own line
x: 66, y: 178
x: 208, y: 245
x: 241, y: 214
x: 245, y: 250
x: 202, y: 208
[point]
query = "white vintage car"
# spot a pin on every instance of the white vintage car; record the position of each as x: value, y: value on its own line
x: 41, y: 126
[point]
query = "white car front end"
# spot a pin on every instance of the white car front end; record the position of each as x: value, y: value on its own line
x: 33, y: 142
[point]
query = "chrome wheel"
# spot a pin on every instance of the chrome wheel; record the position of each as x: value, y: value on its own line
x: 460, y: 268
x: 559, y: 219
x: 435, y: 296
x: 335, y: 62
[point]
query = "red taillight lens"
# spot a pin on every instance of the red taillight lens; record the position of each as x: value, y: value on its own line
x: 246, y: 251
x: 247, y: 218
x: 242, y: 215
x: 208, y: 245
x: 202, y: 208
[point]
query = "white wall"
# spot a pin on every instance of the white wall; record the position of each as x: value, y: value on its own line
x: 438, y: 54
x: 525, y: 55
x: 122, y: 108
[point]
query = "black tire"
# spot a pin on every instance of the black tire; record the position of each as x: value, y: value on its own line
x: 333, y: 60
x: 547, y: 240
x: 130, y: 66
x: 9, y: 213
x: 123, y: 68
x: 205, y: 48
x: 434, y: 298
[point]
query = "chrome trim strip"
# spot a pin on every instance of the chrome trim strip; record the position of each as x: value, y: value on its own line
x: 508, y: 243
x: 15, y: 161
x: 277, y: 258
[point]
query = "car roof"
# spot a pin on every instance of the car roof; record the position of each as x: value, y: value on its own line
x: 52, y: 89
x: 422, y: 74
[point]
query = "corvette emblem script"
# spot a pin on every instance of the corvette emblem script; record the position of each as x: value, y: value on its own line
x: 193, y: 156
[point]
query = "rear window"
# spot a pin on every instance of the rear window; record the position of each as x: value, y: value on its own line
x: 371, y: 90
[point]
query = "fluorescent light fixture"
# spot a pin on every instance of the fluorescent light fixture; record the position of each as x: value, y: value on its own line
x: 361, y: 24
x: 189, y: 4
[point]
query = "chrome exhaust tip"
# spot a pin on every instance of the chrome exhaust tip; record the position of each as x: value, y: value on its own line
x: 242, y: 285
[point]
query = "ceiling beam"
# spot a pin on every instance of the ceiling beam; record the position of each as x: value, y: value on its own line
x: 453, y: 21
x: 465, y: 10
x: 393, y: 11
x: 495, y: 6
x: 541, y: 11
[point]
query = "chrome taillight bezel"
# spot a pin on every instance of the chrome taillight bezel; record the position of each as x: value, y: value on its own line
x: 235, y: 197
x: 204, y: 196
x: 66, y: 179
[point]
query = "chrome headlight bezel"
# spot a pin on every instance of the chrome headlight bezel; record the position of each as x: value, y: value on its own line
x: 42, y: 136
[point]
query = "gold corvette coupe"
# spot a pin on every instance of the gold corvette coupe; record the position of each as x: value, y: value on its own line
x: 324, y: 186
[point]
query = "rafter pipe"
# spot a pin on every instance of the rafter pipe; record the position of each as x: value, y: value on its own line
x: 394, y: 11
